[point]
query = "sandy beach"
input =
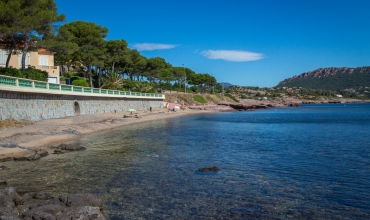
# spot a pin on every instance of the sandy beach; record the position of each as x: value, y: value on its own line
x: 46, y: 133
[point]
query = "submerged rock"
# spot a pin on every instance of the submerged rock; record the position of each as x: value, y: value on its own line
x: 9, y: 145
x: 205, y: 169
x: 68, y: 147
x: 2, y: 167
x: 41, y: 205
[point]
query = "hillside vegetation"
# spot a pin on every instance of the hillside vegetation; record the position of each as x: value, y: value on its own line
x: 335, y: 79
x: 190, y: 99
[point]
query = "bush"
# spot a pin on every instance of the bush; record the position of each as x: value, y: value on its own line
x: 80, y: 82
x: 11, y: 72
x: 200, y: 99
x: 35, y: 74
x: 231, y: 97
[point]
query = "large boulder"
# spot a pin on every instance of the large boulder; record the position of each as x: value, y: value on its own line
x: 6, y: 202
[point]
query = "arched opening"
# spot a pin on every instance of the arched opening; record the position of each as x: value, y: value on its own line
x: 76, y: 106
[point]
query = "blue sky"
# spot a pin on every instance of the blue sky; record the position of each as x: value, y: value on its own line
x: 243, y: 42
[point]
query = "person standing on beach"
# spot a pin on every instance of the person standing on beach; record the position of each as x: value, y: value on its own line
x: 150, y: 108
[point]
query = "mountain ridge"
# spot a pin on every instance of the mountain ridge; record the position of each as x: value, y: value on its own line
x: 331, y: 78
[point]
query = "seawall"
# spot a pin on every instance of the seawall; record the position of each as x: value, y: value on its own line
x: 37, y: 106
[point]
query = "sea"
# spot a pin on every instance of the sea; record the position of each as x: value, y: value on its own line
x: 306, y: 162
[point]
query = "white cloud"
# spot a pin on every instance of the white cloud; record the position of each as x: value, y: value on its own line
x: 153, y: 46
x: 232, y: 55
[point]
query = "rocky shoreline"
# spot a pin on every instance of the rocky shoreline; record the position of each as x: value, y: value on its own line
x: 41, y: 205
x: 36, y: 153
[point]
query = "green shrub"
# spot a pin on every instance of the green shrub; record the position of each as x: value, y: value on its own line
x: 200, y: 99
x: 35, y: 74
x: 231, y: 97
x: 80, y: 82
x: 11, y: 72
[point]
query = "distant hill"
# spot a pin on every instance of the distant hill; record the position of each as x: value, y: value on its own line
x: 226, y: 84
x: 331, y: 79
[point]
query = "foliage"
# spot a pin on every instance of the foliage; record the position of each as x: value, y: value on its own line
x: 26, y: 20
x: 36, y: 74
x: 90, y: 39
x: 142, y: 87
x: 199, y: 99
x: 231, y: 97
x: 112, y: 81
x: 80, y: 82
x: 340, y: 81
x: 11, y: 72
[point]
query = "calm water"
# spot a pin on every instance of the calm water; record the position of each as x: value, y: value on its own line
x: 310, y: 162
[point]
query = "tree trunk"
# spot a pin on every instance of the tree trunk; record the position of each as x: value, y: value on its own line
x: 24, y: 54
x: 99, y: 77
x: 10, y: 53
x: 90, y: 75
x: 113, y: 67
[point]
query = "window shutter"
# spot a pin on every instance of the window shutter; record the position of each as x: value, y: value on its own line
x: 3, y: 57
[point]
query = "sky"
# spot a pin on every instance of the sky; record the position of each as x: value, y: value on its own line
x: 243, y: 42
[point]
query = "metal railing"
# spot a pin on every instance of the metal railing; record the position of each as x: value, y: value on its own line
x: 68, y: 89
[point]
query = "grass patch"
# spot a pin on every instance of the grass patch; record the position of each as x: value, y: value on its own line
x: 231, y: 97
x: 200, y: 99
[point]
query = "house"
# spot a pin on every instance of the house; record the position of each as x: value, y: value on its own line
x: 349, y: 90
x: 339, y: 96
x: 39, y: 58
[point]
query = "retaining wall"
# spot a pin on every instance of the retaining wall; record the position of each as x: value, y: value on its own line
x: 36, y: 106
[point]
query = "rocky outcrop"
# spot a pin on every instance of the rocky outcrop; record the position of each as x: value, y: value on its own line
x: 67, y: 147
x: 244, y: 106
x: 30, y: 153
x: 40, y: 205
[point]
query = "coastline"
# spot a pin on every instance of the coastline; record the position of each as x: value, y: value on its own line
x: 24, y: 141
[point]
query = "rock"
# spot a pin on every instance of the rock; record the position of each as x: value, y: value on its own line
x: 9, y: 192
x: 42, y: 153
x: 83, y: 213
x: 32, y: 156
x: 6, y: 202
x: 7, y: 159
x: 9, y: 145
x: 8, y: 214
x: 81, y: 200
x: 70, y: 147
x: 50, y: 211
x: 2, y: 167
x: 3, y: 182
x: 205, y: 169
x: 57, y: 151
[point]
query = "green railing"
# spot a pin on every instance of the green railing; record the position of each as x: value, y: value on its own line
x: 66, y: 88
x: 24, y: 83
x: 54, y: 86
x: 40, y: 85
x: 7, y: 81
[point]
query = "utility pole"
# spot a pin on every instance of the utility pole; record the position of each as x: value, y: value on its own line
x: 185, y: 76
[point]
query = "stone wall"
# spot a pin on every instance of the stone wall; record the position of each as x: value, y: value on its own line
x: 35, y: 107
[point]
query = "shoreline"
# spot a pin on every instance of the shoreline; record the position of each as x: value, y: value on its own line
x: 21, y: 143
x: 31, y: 141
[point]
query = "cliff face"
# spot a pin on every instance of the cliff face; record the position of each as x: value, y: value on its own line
x: 350, y: 77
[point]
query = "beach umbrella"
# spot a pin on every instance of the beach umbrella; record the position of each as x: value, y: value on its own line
x: 131, y: 110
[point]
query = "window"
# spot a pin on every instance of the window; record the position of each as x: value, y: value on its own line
x: 3, y: 57
x: 27, y: 63
x: 43, y: 61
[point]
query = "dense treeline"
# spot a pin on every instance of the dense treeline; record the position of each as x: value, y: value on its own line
x: 82, y: 51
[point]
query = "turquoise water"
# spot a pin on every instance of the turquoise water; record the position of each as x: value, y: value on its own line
x: 309, y: 162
